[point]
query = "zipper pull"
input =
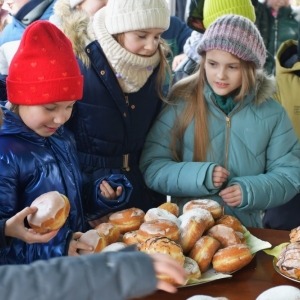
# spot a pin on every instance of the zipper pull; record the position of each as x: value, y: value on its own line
x: 126, y: 100
x: 228, y: 122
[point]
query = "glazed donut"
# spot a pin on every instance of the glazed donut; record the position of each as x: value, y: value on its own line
x: 159, y: 213
x: 190, y: 231
x: 225, y: 235
x: 127, y: 219
x: 191, y: 268
x: 95, y: 239
x: 295, y: 235
x: 130, y: 237
x: 212, y: 206
x: 203, y: 251
x: 231, y: 222
x: 202, y: 213
x: 170, y: 207
x: 111, y: 231
x: 159, y: 227
x: 231, y: 258
x: 163, y: 245
x: 289, y: 260
x: 114, y: 247
x: 52, y: 213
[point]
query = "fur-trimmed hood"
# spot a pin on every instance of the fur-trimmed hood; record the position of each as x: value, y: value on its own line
x: 76, y: 25
x: 265, y: 87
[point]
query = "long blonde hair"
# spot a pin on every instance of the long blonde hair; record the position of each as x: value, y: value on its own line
x: 191, y: 89
x: 164, y: 71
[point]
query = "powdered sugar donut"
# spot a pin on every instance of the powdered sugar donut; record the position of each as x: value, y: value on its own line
x: 203, y: 251
x: 201, y: 213
x: 225, y: 235
x: 127, y: 219
x: 191, y: 268
x: 130, y: 237
x: 231, y: 258
x: 159, y: 227
x: 190, y: 230
x: 52, y: 213
x: 111, y: 231
x: 212, y: 206
x: 95, y: 239
x: 170, y: 207
x: 159, y: 213
x: 114, y: 247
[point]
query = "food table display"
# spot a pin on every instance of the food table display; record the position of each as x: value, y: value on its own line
x: 247, y: 283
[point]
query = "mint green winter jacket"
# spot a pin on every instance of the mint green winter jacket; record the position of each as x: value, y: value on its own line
x: 256, y: 142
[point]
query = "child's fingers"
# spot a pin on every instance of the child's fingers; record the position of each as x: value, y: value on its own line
x: 25, y: 212
x: 77, y: 235
x: 119, y: 191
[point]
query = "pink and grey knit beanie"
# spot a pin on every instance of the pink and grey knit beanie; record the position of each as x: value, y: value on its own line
x: 236, y: 35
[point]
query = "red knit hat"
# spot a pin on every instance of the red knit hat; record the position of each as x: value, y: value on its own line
x: 44, y: 68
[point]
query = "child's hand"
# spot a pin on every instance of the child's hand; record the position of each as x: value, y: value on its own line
x: 76, y: 245
x: 108, y: 192
x: 232, y: 195
x: 14, y: 227
x: 219, y: 176
x: 164, y: 264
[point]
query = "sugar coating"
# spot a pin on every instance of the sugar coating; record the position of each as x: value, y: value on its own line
x: 91, y: 238
x: 159, y: 213
x: 48, y: 205
x: 114, y: 247
x: 190, y: 266
x: 200, y: 212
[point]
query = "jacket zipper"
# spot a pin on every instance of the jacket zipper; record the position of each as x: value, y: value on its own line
x: 276, y: 37
x: 126, y: 99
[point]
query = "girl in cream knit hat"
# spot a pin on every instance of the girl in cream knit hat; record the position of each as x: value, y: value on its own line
x: 122, y: 58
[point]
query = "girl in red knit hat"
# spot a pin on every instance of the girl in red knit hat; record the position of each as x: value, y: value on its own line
x: 37, y: 153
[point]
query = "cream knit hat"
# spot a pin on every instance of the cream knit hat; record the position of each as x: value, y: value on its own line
x: 129, y: 15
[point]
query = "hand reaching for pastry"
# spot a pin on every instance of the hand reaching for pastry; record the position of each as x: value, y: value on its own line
x: 108, y: 192
x: 75, y: 245
x: 164, y: 264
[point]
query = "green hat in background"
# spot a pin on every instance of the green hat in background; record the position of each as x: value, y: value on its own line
x: 214, y: 9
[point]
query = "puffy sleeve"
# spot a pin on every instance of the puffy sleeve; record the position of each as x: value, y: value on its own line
x: 167, y: 176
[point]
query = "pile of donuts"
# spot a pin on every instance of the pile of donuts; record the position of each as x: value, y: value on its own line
x: 289, y: 258
x: 200, y: 237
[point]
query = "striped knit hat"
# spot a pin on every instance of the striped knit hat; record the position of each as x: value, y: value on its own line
x: 236, y: 35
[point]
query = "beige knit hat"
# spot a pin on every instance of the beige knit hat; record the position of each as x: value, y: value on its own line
x: 129, y: 15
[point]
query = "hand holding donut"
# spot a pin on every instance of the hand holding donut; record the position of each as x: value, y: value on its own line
x: 219, y: 176
x: 75, y: 245
x: 14, y: 227
x: 232, y: 195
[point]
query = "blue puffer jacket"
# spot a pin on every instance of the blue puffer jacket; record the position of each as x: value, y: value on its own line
x: 106, y: 127
x: 256, y: 142
x: 31, y: 165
